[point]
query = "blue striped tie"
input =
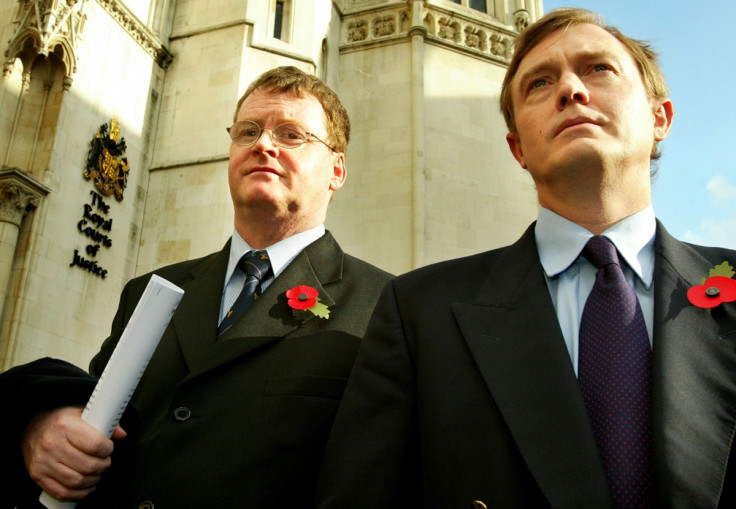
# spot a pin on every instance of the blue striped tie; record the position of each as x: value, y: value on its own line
x: 257, y: 267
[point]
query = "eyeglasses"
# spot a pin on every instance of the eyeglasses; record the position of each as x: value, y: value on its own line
x: 246, y: 133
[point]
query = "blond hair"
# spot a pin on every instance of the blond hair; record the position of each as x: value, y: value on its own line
x: 644, y: 56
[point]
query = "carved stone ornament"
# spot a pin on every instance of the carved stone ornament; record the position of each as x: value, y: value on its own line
x: 475, y: 38
x: 107, y: 165
x: 19, y: 193
x: 482, y: 36
x: 500, y: 46
x: 449, y: 29
x: 521, y: 20
x: 46, y: 26
x: 357, y: 31
x: 138, y: 31
x: 383, y: 26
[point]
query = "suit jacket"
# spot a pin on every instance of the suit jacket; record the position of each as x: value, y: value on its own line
x: 463, y: 390
x: 242, y: 421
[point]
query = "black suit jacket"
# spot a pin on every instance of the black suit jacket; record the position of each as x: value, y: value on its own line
x: 242, y: 421
x: 463, y: 390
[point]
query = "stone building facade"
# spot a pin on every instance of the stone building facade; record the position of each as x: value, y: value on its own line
x: 113, y: 150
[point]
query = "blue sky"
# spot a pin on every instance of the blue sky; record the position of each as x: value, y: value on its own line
x: 694, y: 193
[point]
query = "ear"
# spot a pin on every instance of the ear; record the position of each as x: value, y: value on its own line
x: 339, y: 172
x: 515, y: 146
x: 663, y: 115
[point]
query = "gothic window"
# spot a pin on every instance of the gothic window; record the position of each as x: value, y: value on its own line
x: 478, y: 5
x: 281, y: 14
x: 278, y: 21
x: 323, y: 62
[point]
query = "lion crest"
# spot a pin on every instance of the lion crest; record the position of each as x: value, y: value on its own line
x: 107, y: 164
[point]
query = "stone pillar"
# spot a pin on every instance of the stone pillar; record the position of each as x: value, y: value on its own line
x: 19, y: 193
x: 417, y: 32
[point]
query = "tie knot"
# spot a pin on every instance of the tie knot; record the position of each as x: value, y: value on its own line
x: 600, y: 252
x: 255, y: 264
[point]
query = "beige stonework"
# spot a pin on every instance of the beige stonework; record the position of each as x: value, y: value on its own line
x: 429, y: 174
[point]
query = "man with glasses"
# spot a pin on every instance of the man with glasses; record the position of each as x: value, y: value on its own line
x: 238, y: 399
x: 586, y: 365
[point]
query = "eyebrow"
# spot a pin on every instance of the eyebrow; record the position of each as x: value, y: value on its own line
x: 283, y: 120
x: 533, y: 71
x: 549, y: 64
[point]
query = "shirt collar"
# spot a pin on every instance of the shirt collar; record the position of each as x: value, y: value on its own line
x: 280, y: 254
x: 560, y: 242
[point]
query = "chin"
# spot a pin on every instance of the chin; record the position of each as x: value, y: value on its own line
x: 584, y: 152
x: 257, y: 200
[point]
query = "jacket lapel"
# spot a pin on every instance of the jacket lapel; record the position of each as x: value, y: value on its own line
x: 514, y: 336
x: 194, y: 323
x: 270, y: 318
x: 694, y: 380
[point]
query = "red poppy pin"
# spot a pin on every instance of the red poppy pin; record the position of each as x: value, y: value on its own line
x: 718, y: 287
x: 304, y: 298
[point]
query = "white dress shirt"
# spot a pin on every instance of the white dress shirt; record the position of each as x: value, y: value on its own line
x: 280, y: 255
x: 570, y: 277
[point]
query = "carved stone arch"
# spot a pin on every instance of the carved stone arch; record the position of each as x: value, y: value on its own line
x: 40, y: 113
x: 28, y: 47
x: 30, y: 114
x: 46, y: 27
x: 404, y: 22
x: 324, y: 59
x: 24, y: 50
x: 430, y: 24
x: 64, y: 51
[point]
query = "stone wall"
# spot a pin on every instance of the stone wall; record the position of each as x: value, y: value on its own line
x: 429, y: 174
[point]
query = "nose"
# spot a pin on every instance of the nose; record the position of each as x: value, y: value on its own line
x: 571, y: 89
x: 266, y: 143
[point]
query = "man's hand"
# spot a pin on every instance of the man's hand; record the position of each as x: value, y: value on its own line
x: 64, y: 455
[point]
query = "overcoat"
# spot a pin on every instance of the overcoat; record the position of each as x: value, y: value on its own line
x: 463, y: 391
x: 241, y: 421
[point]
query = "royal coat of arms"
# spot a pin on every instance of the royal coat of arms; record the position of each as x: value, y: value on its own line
x: 107, y: 164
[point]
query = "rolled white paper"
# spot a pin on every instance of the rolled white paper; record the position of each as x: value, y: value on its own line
x: 127, y: 363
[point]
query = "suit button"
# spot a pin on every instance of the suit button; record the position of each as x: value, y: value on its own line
x: 145, y: 505
x: 181, y: 414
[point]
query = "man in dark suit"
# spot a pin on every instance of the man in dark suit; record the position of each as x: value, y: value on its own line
x: 236, y: 418
x: 468, y: 389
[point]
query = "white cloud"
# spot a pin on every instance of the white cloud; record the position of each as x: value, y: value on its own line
x: 723, y: 191
x: 719, y: 230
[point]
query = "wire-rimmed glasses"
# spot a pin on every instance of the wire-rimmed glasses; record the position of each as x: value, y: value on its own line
x: 288, y: 135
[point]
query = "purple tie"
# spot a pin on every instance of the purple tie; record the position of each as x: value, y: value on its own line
x: 614, y: 373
